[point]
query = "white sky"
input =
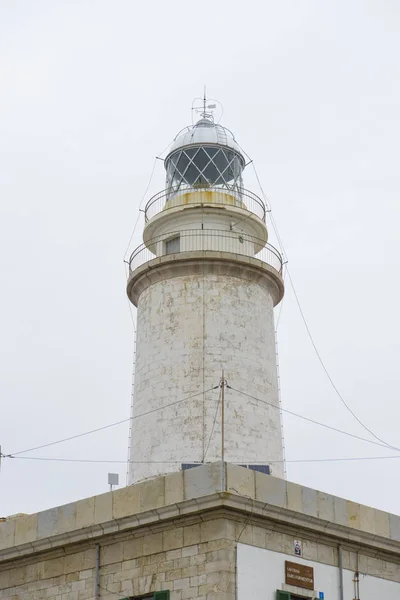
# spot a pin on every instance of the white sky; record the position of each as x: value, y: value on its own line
x: 91, y: 91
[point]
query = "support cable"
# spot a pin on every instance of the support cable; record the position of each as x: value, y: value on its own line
x: 261, y: 462
x: 103, y: 461
x: 283, y: 299
x: 140, y: 204
x: 346, y: 405
x: 144, y: 196
x: 289, y: 412
x: 328, y: 374
x: 132, y: 402
x: 213, y: 425
x: 73, y: 437
x: 313, y: 421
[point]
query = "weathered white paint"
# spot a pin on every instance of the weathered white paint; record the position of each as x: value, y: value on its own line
x: 214, y: 239
x: 213, y: 133
x: 261, y: 572
x: 230, y: 219
x: 199, y: 316
x: 189, y: 328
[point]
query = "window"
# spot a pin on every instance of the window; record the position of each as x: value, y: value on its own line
x: 202, y: 166
x: 260, y: 468
x: 186, y: 466
x: 172, y: 245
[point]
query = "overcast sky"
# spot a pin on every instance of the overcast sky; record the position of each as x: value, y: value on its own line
x: 90, y: 92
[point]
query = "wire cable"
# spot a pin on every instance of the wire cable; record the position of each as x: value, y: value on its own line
x: 324, y: 460
x: 213, y: 425
x: 171, y: 462
x: 280, y: 242
x: 269, y: 210
x: 16, y: 454
x: 289, y: 412
x: 140, y: 204
x: 313, y: 421
x: 73, y: 437
x: 102, y: 461
x: 130, y: 311
x: 247, y: 521
x: 136, y: 222
x: 282, y: 301
x: 144, y: 195
x: 355, y: 458
x: 328, y: 374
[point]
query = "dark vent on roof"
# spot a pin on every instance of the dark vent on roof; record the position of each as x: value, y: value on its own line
x: 260, y: 468
x: 186, y: 466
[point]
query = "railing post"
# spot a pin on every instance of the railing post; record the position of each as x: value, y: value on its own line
x: 253, y: 203
x: 209, y: 239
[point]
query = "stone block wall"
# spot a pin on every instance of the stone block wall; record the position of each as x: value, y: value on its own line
x: 180, y: 532
x: 192, y: 560
x: 190, y: 327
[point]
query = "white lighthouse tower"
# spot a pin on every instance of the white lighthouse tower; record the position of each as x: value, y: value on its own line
x: 205, y: 282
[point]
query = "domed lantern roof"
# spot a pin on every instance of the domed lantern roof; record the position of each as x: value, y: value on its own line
x: 203, y: 132
x: 204, y: 155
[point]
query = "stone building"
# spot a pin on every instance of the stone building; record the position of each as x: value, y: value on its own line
x: 209, y: 515
x: 215, y: 532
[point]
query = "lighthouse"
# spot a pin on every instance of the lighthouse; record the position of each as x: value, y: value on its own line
x: 205, y: 282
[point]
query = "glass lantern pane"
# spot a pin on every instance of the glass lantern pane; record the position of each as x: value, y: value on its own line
x: 204, y: 165
x: 211, y: 150
x: 201, y: 159
x: 191, y: 174
x: 182, y: 163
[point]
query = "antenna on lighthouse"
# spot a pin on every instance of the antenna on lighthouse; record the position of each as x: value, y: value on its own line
x: 205, y: 108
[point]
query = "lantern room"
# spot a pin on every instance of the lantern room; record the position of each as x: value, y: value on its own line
x: 202, y: 156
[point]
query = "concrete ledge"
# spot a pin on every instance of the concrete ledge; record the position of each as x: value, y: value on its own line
x: 235, y: 213
x: 199, y: 490
x: 208, y: 262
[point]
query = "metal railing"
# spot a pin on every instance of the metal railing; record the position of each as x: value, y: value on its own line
x: 194, y: 240
x: 211, y: 196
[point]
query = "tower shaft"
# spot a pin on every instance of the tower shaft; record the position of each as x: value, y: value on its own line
x: 205, y: 283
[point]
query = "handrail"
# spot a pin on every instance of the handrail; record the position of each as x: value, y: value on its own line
x: 174, y: 197
x: 194, y: 240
